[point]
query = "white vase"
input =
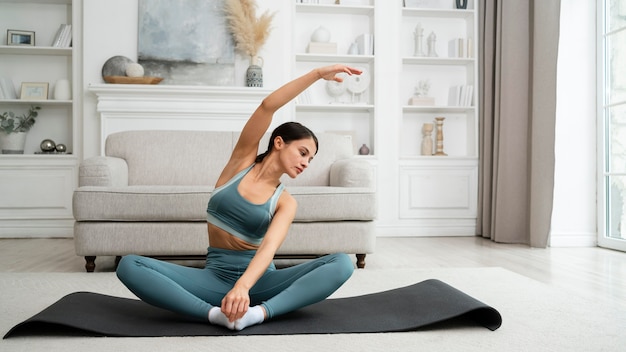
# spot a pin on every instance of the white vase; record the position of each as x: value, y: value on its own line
x: 62, y: 90
x: 12, y: 143
x: 254, y: 73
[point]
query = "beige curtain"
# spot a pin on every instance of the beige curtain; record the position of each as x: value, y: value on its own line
x: 518, y: 47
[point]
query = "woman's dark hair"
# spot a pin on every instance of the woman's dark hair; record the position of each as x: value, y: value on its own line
x: 289, y: 132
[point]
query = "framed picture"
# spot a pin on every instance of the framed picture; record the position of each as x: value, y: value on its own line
x: 15, y: 37
x: 34, y: 91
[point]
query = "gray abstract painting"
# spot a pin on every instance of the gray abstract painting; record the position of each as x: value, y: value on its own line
x: 186, y: 42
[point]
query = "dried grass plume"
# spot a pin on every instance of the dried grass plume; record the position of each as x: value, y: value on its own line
x: 250, y: 32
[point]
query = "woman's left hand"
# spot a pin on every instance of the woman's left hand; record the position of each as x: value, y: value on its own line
x: 236, y: 303
x: 330, y: 72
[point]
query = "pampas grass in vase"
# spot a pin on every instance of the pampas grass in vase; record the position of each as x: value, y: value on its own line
x: 250, y: 33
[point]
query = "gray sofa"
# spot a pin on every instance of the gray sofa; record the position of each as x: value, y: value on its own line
x: 148, y: 196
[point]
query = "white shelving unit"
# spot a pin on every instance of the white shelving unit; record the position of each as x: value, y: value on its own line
x: 439, y: 192
x: 37, y: 188
x: 352, y: 114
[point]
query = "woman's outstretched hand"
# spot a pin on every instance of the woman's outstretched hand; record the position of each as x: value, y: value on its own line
x: 330, y: 73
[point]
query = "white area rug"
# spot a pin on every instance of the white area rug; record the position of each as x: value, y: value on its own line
x: 536, y: 317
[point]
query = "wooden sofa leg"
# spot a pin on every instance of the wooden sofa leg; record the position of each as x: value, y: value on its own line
x: 360, y: 261
x: 90, y: 263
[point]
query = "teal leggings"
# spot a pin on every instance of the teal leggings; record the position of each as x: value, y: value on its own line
x: 194, y: 291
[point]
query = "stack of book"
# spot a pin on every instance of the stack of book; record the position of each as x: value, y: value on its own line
x: 460, y: 48
x: 7, y: 91
x: 63, y: 39
x: 461, y: 95
x: 365, y: 43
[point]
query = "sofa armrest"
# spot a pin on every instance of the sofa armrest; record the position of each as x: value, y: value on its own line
x: 103, y: 171
x: 352, y: 173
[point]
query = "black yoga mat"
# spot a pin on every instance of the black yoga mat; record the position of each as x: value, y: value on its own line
x: 403, y: 309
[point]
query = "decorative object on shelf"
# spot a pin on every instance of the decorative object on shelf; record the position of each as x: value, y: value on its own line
x: 47, y: 145
x: 432, y: 45
x: 421, y: 97
x: 117, y: 68
x: 19, y: 37
x: 62, y: 90
x: 321, y: 35
x: 439, y: 122
x: 358, y: 84
x: 320, y: 42
x: 461, y: 4
x: 134, y: 69
x: 418, y: 35
x: 61, y: 148
x: 254, y: 73
x: 364, y: 150
x: 7, y: 90
x: 13, y: 130
x: 250, y: 33
x: 427, y: 139
x: 34, y: 91
x: 336, y: 89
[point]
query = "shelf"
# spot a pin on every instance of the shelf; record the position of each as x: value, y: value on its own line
x: 438, y: 109
x: 35, y: 102
x: 335, y: 107
x: 58, y: 2
x: 334, y: 58
x: 335, y: 9
x: 433, y: 159
x: 36, y: 159
x: 34, y: 50
x: 437, y: 13
x: 434, y: 61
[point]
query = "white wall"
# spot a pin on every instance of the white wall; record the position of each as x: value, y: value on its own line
x: 574, y: 214
x: 110, y: 29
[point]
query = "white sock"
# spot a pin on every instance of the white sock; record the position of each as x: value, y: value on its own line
x: 216, y: 317
x: 254, y: 315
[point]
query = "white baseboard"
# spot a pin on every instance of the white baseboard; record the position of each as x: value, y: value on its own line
x: 37, y: 228
x: 573, y: 240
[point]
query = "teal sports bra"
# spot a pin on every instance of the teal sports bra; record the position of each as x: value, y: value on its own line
x: 230, y: 211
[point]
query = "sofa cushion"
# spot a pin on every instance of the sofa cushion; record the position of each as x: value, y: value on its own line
x: 188, y: 203
x: 172, y: 157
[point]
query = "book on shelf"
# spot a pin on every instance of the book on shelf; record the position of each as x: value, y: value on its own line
x: 63, y: 38
x: 7, y: 90
x: 461, y: 95
x: 460, y: 48
x: 365, y: 43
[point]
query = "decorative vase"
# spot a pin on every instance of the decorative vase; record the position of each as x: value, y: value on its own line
x: 321, y: 35
x: 427, y: 141
x: 439, y: 142
x: 62, y: 90
x: 12, y: 143
x: 254, y: 74
x: 364, y: 150
x: 461, y: 4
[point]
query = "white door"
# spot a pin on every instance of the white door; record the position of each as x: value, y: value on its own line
x: 612, y: 124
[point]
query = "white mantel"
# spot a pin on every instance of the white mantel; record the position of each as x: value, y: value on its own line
x: 124, y: 107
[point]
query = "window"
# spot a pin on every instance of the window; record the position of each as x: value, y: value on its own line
x: 612, y: 123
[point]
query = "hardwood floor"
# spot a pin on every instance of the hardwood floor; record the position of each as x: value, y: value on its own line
x: 591, y: 271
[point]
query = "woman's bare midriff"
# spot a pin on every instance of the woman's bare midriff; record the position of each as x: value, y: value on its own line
x: 219, y: 238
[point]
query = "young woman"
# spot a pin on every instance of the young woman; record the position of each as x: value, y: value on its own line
x: 249, y: 214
